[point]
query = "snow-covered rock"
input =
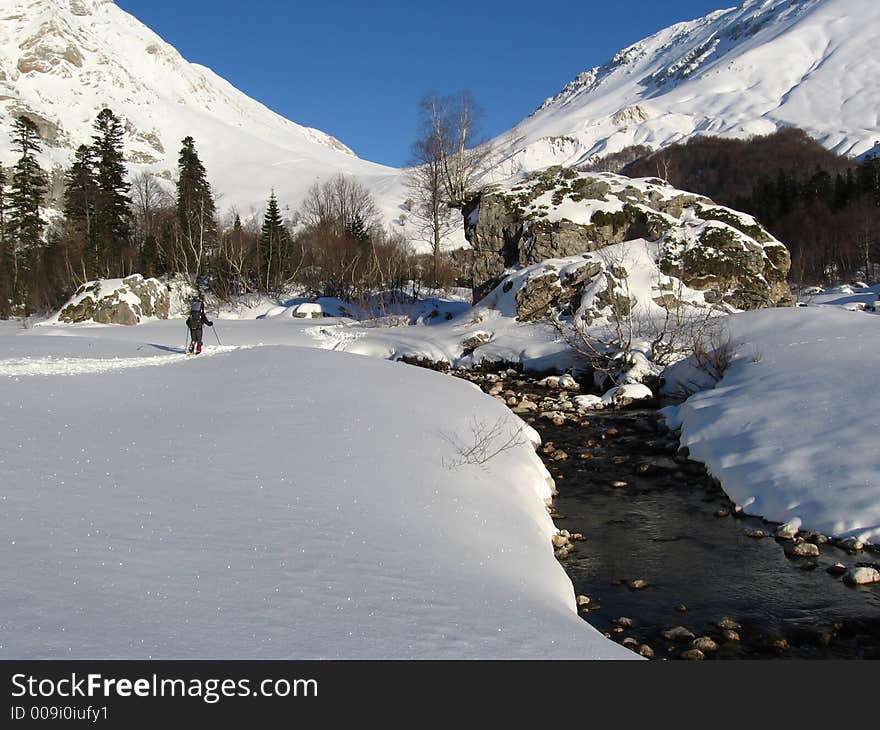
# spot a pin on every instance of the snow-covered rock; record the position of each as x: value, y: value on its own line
x: 307, y: 310
x: 624, y: 395
x: 561, y: 212
x: 126, y: 301
x: 862, y: 575
x: 588, y: 402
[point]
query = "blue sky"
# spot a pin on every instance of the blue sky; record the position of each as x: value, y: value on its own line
x: 357, y: 69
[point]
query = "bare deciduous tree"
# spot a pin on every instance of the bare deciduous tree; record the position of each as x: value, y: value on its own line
x: 431, y: 212
x: 448, y: 166
x: 338, y: 204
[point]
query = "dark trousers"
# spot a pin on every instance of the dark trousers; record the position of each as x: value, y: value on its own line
x: 195, y: 335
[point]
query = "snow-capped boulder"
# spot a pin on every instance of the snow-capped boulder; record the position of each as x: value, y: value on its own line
x: 788, y: 530
x: 624, y: 395
x: 560, y: 212
x: 307, y: 310
x: 478, y: 339
x: 118, y: 301
x: 862, y: 575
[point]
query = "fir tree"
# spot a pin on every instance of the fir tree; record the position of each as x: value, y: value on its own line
x: 6, y: 264
x: 357, y: 229
x: 81, y: 195
x: 274, y: 243
x: 3, y: 182
x: 26, y: 193
x: 195, y: 207
x: 113, y: 205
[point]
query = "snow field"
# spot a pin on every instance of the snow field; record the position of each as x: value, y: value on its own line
x: 274, y: 502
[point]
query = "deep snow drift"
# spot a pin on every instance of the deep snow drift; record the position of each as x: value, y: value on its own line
x: 791, y: 430
x: 264, y: 502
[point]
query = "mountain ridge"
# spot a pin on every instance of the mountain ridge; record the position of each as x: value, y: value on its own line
x: 740, y: 71
x: 61, y: 61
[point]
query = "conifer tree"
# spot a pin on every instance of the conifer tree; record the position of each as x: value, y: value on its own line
x: 113, y: 205
x: 274, y: 244
x: 195, y: 209
x: 6, y: 288
x: 81, y: 196
x: 3, y: 182
x: 356, y: 228
x: 26, y: 192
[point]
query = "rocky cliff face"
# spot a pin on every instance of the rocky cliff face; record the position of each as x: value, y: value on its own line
x: 560, y: 212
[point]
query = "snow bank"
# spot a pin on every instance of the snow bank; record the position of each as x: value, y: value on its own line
x: 791, y: 430
x: 273, y: 502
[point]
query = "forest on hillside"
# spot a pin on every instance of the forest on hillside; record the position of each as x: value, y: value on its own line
x: 824, y: 207
x: 108, y: 226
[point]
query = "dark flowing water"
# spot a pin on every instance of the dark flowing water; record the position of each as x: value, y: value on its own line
x: 662, y: 528
x: 673, y: 527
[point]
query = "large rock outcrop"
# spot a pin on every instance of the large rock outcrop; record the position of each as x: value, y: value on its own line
x: 561, y: 212
x: 118, y: 301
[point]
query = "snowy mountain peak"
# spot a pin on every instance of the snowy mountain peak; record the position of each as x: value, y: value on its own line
x: 62, y: 61
x: 108, y: 58
x: 746, y: 70
x: 82, y: 7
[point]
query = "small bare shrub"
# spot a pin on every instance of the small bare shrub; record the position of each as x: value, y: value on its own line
x: 484, y: 443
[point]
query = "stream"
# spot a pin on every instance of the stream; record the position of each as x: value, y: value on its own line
x: 665, y: 549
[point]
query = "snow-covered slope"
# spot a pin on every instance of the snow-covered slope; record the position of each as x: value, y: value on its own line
x: 253, y: 503
x: 791, y: 430
x: 61, y: 61
x: 747, y: 70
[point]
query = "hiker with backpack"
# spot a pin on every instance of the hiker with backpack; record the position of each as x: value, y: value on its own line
x: 196, y: 319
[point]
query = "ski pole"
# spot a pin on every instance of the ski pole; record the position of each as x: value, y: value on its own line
x: 216, y: 335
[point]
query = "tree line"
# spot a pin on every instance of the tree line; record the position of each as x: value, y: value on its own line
x: 824, y: 207
x: 335, y: 244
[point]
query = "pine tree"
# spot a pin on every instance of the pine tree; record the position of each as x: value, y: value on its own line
x: 274, y: 245
x: 195, y: 209
x: 113, y: 205
x: 26, y: 193
x: 81, y: 196
x: 3, y: 182
x: 357, y: 229
x: 6, y: 264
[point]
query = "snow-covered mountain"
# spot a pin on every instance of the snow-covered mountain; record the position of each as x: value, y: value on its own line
x: 61, y: 61
x: 747, y: 70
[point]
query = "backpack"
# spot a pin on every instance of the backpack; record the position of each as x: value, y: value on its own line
x: 195, y: 314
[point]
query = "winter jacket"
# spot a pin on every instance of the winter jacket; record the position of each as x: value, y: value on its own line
x: 197, y: 322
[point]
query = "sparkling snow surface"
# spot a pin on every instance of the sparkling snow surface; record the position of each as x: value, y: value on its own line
x: 263, y: 502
